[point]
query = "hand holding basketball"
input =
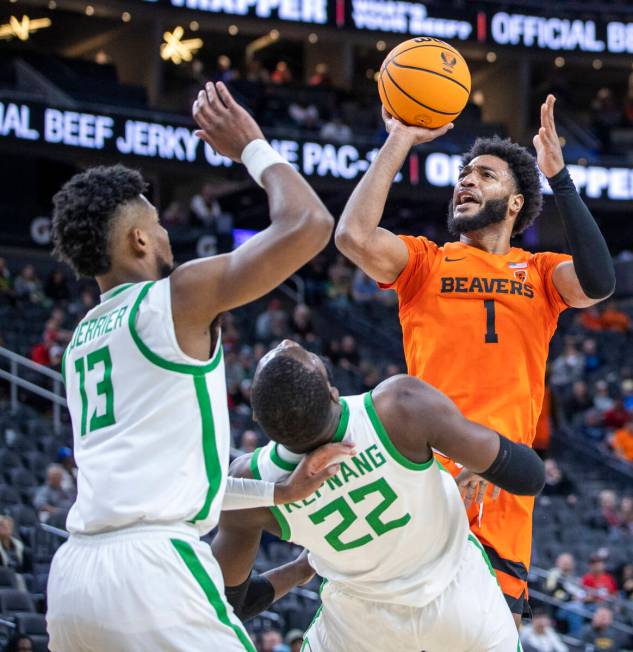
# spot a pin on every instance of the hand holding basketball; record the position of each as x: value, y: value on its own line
x: 224, y: 125
x: 549, y: 153
x: 416, y: 135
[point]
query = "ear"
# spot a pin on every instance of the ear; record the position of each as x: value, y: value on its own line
x: 334, y: 394
x: 138, y: 241
x: 516, y: 203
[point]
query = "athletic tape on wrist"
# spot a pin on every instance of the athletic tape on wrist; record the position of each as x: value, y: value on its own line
x: 257, y: 156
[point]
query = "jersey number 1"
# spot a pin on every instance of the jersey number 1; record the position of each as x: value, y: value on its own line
x: 104, y: 387
x: 491, y: 335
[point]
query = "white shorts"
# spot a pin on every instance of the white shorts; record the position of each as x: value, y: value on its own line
x: 471, y: 615
x: 141, y: 589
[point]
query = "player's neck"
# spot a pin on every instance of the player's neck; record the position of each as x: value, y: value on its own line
x: 120, y: 276
x: 494, y: 239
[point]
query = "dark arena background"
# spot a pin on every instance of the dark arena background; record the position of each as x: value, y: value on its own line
x: 90, y: 83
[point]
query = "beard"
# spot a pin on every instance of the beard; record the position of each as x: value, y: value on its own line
x: 492, y: 212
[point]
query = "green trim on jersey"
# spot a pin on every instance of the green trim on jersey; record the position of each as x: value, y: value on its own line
x: 64, y: 363
x: 212, y: 464
x: 280, y: 462
x: 178, y: 367
x: 475, y: 541
x: 314, y: 619
x: 114, y: 291
x: 284, y: 526
x: 387, y: 443
x: 342, y: 424
x: 189, y: 557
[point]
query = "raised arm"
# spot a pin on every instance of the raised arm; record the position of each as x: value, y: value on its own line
x: 300, y: 224
x: 418, y: 418
x: 590, y: 278
x: 378, y: 252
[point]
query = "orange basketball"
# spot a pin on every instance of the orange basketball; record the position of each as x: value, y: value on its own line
x: 424, y: 82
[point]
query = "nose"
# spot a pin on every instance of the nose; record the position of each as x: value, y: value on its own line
x: 468, y: 181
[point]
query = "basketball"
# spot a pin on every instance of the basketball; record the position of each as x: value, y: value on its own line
x: 424, y: 82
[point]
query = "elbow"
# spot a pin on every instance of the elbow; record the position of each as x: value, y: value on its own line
x: 346, y: 242
x: 600, y: 286
x: 320, y: 223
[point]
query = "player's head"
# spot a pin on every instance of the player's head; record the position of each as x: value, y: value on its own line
x: 292, y: 397
x: 498, y: 182
x: 102, y: 222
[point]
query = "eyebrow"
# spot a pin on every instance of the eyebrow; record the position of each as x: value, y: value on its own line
x: 467, y: 168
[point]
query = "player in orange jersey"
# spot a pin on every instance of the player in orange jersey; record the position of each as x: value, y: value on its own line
x: 477, y: 314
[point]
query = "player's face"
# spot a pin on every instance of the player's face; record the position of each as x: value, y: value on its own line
x: 482, y: 195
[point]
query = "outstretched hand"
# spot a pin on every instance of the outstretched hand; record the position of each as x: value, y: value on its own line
x: 416, y: 135
x: 224, y: 125
x: 549, y: 153
x: 313, y: 470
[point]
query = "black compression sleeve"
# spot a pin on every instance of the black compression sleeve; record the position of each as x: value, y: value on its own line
x: 517, y: 469
x: 252, y: 597
x: 592, y: 260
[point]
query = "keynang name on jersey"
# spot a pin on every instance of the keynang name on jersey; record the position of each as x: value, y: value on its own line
x: 91, y: 329
x: 361, y: 464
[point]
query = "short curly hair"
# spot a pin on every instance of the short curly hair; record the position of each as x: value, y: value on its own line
x: 83, y: 212
x: 525, y: 172
x: 290, y: 402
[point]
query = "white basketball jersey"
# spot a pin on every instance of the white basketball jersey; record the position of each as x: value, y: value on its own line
x: 150, y: 424
x: 384, y: 528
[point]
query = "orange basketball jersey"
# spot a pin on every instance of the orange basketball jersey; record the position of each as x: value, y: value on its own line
x: 477, y: 326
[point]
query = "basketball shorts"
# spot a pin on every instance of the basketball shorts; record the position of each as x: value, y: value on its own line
x: 471, y: 615
x: 140, y: 589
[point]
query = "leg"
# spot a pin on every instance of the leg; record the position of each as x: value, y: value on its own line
x: 344, y: 623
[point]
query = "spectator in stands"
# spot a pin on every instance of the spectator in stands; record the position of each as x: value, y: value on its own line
x: 563, y: 584
x: 593, y: 426
x: 601, y: 634
x: 264, y: 323
x: 281, y: 74
x: 256, y: 73
x: 249, y: 441
x: 622, y: 441
x: 626, y: 514
x: 80, y: 307
x: 592, y: 358
x: 270, y: 640
x: 602, y: 400
x: 613, y: 319
x: 57, y: 288
x: 27, y: 285
x: 301, y: 324
x: 556, y: 481
x: 578, y: 402
x: 321, y: 76
x: 13, y: 553
x: 627, y: 394
x: 590, y: 320
x: 339, y: 285
x: 294, y: 640
x: 607, y: 516
x: 348, y: 356
x: 20, y: 643
x: 618, y: 415
x: 364, y: 288
x: 626, y: 581
x: 175, y: 214
x: 539, y: 635
x: 224, y: 71
x: 336, y: 131
x: 567, y: 367
x: 315, y: 275
x: 51, y: 498
x: 598, y: 583
x: 66, y: 460
x: 5, y: 279
x: 205, y: 207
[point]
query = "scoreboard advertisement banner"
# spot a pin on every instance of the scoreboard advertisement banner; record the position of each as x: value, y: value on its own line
x: 171, y: 140
x: 557, y: 32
